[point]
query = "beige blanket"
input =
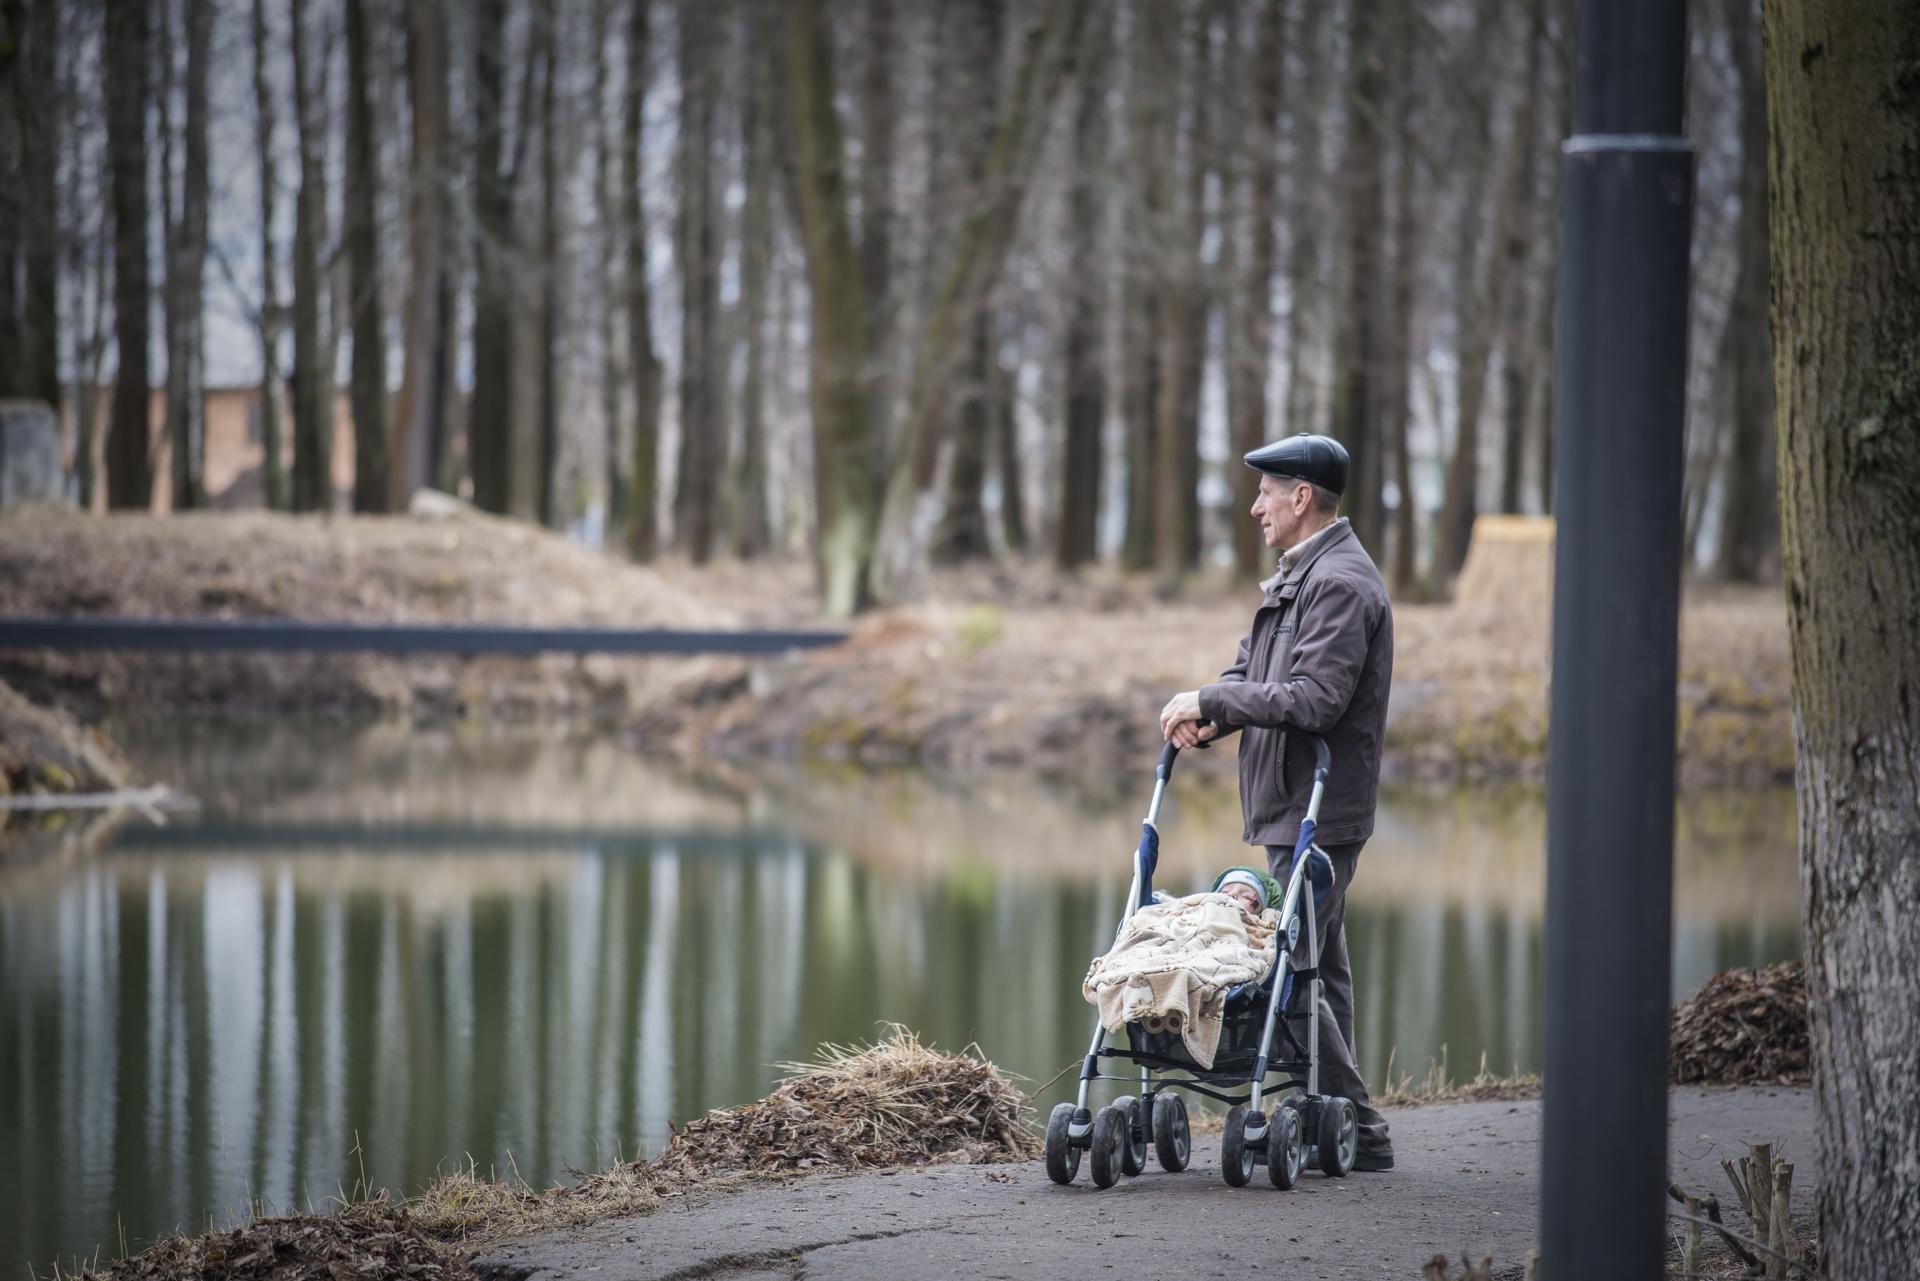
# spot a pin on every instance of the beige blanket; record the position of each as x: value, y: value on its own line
x: 1173, y: 964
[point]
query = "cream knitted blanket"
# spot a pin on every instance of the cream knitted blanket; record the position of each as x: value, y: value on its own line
x: 1173, y: 963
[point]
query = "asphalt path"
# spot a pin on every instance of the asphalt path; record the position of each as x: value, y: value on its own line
x: 1466, y: 1178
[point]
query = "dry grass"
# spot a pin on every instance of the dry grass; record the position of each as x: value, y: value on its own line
x: 1438, y: 1086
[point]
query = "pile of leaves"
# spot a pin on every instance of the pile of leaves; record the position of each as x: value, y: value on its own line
x: 1744, y: 1026
x: 894, y: 1103
x: 370, y: 1239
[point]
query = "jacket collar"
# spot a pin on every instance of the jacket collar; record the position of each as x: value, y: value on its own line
x: 1313, y: 548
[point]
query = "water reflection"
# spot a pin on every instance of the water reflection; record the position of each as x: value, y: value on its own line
x: 348, y: 972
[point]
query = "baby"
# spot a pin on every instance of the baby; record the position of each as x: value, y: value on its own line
x: 1244, y: 887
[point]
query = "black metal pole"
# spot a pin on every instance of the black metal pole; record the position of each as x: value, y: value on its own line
x: 1626, y: 221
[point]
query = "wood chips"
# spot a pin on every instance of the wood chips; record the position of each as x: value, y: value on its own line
x: 1744, y: 1027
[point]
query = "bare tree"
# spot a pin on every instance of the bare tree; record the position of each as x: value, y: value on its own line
x: 696, y: 501
x: 495, y: 179
x: 643, y: 365
x: 1076, y: 537
x: 274, y: 476
x: 547, y: 451
x: 312, y: 369
x: 1250, y: 340
x: 129, y: 473
x: 32, y: 119
x: 751, y: 532
x: 419, y: 435
x: 1844, y: 117
x: 1357, y: 393
x: 1149, y: 128
x: 372, y: 486
x: 1397, y: 380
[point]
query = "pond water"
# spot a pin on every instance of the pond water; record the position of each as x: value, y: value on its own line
x: 378, y: 953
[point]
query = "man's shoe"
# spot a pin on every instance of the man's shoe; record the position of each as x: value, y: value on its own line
x: 1373, y: 1162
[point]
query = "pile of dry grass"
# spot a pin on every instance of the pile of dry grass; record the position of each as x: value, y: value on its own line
x: 1743, y: 1027
x: 1438, y: 1086
x: 368, y: 1239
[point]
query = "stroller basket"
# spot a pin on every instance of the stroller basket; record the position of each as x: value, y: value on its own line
x: 1257, y: 1040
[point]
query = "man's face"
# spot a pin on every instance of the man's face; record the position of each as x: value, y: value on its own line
x: 1281, y: 508
x: 1243, y: 895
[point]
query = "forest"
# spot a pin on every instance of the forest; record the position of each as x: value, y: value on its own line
x: 879, y: 283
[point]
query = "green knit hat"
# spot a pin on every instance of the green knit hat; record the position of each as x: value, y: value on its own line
x: 1272, y: 888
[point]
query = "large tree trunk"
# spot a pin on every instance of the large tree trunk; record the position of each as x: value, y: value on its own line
x: 1749, y: 532
x: 1357, y: 394
x: 971, y: 100
x: 1250, y: 342
x: 1397, y: 378
x: 15, y: 94
x: 372, y: 486
x: 419, y: 434
x: 185, y: 239
x: 879, y: 108
x: 1844, y: 108
x: 696, y: 502
x: 312, y: 370
x: 32, y: 123
x: 1519, y: 355
x: 750, y: 527
x: 1003, y: 397
x: 129, y: 478
x: 490, y: 418
x: 274, y: 477
x: 847, y: 472
x: 1076, y: 539
x: 643, y: 519
x: 1304, y: 181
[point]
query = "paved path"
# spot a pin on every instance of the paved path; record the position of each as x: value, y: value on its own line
x: 1466, y: 1177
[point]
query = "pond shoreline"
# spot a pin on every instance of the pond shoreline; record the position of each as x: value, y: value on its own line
x: 985, y: 668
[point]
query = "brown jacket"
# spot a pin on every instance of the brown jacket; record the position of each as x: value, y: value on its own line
x: 1318, y: 658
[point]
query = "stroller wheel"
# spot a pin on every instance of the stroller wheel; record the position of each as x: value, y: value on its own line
x: 1339, y: 1136
x: 1109, y: 1136
x: 1284, y: 1153
x: 1172, y: 1136
x: 1133, y: 1151
x: 1236, y: 1158
x: 1063, y: 1159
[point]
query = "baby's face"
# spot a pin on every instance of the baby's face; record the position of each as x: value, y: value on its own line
x: 1243, y: 895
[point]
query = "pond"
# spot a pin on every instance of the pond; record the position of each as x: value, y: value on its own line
x: 377, y: 953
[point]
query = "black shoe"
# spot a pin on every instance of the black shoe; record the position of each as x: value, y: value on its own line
x: 1373, y: 1162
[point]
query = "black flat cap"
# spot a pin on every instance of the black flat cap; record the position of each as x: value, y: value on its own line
x: 1320, y: 459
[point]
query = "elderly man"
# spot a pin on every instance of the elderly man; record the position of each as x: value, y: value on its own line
x: 1318, y: 658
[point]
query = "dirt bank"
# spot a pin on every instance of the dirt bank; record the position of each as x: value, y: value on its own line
x: 44, y: 751
x: 993, y: 666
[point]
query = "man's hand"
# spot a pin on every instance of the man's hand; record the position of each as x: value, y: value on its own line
x: 1179, y: 721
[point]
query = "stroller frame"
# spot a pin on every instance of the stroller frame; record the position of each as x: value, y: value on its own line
x: 1306, y: 1123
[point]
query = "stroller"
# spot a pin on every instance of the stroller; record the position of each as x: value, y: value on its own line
x: 1255, y: 1040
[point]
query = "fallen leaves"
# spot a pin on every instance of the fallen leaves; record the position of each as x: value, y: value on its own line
x: 1744, y: 1027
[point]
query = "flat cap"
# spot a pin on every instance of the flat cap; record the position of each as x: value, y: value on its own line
x: 1320, y: 459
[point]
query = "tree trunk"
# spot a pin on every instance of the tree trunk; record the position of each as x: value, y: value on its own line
x: 643, y: 520
x: 32, y: 123
x: 1749, y: 532
x: 696, y: 503
x: 750, y: 530
x: 184, y: 238
x: 312, y: 373
x: 1003, y: 397
x: 1518, y: 353
x: 129, y: 478
x: 1250, y: 342
x: 972, y: 99
x: 490, y: 418
x: 274, y: 477
x: 1844, y: 108
x: 419, y: 436
x: 551, y: 270
x: 1397, y: 381
x: 879, y: 106
x: 1076, y: 540
x: 1305, y: 180
x: 1357, y: 393
x: 15, y: 94
x: 372, y: 486
x: 847, y: 473
x: 1150, y: 124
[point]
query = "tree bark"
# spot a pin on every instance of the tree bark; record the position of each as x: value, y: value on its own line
x: 274, y: 477
x: 1076, y: 540
x: 1518, y: 353
x: 1003, y: 395
x: 847, y: 469
x: 312, y: 371
x: 1357, y: 393
x: 33, y: 114
x: 1305, y: 180
x: 643, y: 520
x: 1844, y: 112
x: 124, y: 64
x: 419, y: 436
x: 372, y: 486
x: 1397, y: 380
x: 879, y: 107
x: 1749, y: 532
x: 1149, y: 122
x: 490, y: 417
x: 551, y: 270
x: 751, y: 535
x: 1250, y: 342
x: 696, y: 502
